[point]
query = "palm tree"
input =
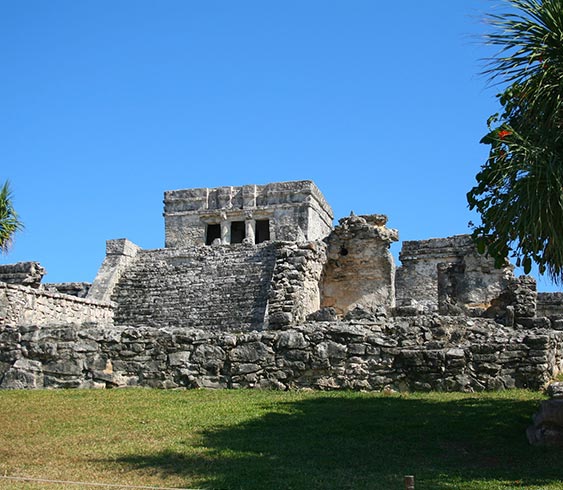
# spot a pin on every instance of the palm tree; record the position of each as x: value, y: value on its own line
x: 519, y: 191
x: 9, y: 220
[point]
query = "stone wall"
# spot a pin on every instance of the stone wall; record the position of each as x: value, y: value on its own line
x: 21, y: 305
x: 294, y: 291
x: 78, y: 289
x: 550, y: 305
x: 445, y: 274
x: 404, y: 353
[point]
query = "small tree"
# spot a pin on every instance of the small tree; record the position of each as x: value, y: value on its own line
x: 519, y: 191
x: 9, y: 219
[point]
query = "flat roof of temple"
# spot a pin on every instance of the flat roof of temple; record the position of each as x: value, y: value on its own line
x: 252, y: 195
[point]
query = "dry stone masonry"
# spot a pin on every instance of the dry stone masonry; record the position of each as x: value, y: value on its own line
x: 410, y: 353
x: 20, y: 305
x: 448, y: 274
x: 254, y: 288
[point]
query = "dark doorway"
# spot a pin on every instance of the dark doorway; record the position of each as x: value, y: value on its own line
x: 262, y: 233
x: 213, y: 232
x: 238, y: 231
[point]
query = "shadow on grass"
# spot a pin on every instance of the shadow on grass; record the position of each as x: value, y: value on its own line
x: 359, y: 442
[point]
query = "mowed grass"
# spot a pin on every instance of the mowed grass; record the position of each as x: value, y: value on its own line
x: 273, y: 440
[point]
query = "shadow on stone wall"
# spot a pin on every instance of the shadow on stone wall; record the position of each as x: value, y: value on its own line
x: 367, y: 443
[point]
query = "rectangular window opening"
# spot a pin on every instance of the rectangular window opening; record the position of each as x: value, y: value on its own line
x: 213, y: 232
x: 238, y: 231
x: 262, y: 233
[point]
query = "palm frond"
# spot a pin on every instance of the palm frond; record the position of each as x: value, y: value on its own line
x: 9, y: 220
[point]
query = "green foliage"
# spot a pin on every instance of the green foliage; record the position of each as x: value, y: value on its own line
x: 9, y: 219
x: 519, y: 191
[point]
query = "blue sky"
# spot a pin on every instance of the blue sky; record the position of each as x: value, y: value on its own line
x: 105, y: 105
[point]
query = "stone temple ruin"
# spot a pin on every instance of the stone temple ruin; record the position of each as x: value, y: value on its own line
x: 255, y: 288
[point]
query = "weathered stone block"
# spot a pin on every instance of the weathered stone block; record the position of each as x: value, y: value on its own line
x: 555, y: 390
x: 251, y: 353
x: 547, y: 429
x: 291, y: 340
x: 179, y: 358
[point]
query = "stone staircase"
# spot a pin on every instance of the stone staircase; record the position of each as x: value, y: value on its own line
x: 218, y: 288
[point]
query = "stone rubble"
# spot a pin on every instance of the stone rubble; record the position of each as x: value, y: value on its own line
x: 23, y: 274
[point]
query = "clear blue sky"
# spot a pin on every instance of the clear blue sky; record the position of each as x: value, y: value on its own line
x: 105, y: 105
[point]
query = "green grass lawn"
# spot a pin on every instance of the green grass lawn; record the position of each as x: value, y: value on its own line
x: 274, y: 440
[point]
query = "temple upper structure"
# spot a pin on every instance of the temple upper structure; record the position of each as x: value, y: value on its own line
x: 282, y: 211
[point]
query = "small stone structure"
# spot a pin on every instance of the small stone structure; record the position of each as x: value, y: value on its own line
x: 283, y: 211
x: 254, y: 288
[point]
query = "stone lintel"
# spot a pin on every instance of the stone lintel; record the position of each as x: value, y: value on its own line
x: 436, y: 248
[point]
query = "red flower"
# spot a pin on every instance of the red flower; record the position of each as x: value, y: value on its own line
x: 504, y: 133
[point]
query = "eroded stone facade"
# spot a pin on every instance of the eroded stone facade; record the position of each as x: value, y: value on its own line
x: 360, y: 270
x: 448, y: 274
x: 427, y: 352
x: 282, y: 211
x: 21, y: 305
x: 256, y: 289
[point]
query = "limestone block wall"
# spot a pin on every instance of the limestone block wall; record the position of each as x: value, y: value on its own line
x: 24, y: 305
x: 218, y: 287
x: 550, y: 305
x: 448, y: 270
x: 295, y: 288
x: 404, y: 353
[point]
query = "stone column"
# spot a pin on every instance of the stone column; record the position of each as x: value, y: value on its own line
x: 225, y: 232
x: 250, y: 230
